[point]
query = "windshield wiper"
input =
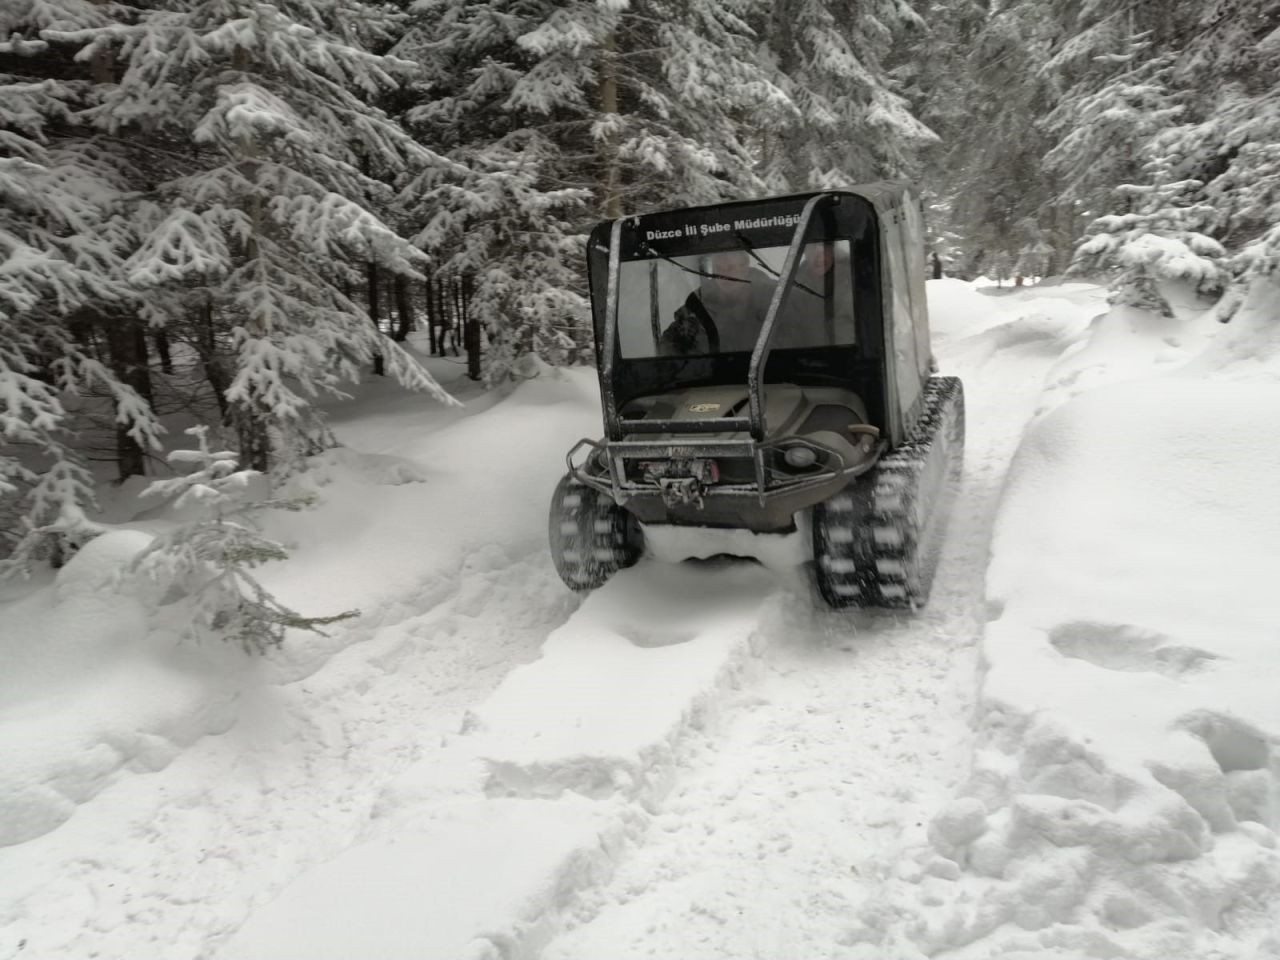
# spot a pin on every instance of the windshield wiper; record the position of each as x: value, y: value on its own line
x: 646, y: 245
x: 773, y: 273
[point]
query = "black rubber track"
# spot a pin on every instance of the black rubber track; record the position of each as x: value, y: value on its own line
x: 876, y: 543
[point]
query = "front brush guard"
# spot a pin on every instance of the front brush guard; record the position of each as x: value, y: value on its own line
x: 611, y: 456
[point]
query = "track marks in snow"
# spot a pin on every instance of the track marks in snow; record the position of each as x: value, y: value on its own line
x: 817, y: 791
x: 305, y: 773
x: 826, y: 764
x: 559, y: 764
x: 607, y: 707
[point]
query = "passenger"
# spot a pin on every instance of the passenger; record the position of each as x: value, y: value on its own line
x: 818, y: 311
x: 725, y: 313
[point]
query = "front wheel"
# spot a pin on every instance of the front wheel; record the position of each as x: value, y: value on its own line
x: 591, y: 537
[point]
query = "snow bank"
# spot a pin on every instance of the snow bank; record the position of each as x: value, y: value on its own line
x: 1124, y: 799
x: 414, y: 503
x: 972, y: 328
x: 958, y: 309
x: 1126, y: 343
x: 92, y: 685
x: 1249, y: 346
x: 86, y: 692
x: 1128, y: 756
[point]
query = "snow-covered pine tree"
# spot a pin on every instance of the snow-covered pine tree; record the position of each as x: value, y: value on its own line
x: 1165, y: 236
x: 201, y: 568
x: 62, y: 238
x: 1106, y: 119
x: 663, y: 95
x: 851, y: 121
x: 502, y: 214
x: 999, y: 267
x: 1033, y: 259
x: 975, y: 76
x: 1199, y: 100
x: 570, y: 111
x: 933, y: 66
x: 1230, y: 69
x: 255, y: 121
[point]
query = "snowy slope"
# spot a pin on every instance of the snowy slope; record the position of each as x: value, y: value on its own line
x: 697, y: 761
x: 434, y: 528
x: 1124, y: 795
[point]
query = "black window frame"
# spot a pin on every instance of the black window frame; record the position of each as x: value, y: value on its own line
x: 858, y: 366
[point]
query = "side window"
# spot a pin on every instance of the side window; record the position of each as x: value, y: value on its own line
x: 649, y: 293
x: 906, y: 366
x: 634, y: 333
x: 915, y: 235
x: 819, y: 309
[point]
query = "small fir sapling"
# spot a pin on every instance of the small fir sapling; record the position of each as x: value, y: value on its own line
x: 1000, y: 267
x: 1164, y: 237
x: 204, y: 564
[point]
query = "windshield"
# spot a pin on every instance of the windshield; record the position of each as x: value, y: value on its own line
x: 716, y: 303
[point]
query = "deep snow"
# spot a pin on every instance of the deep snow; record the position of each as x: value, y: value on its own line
x: 1073, y: 755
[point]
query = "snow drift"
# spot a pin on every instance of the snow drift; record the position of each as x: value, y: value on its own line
x: 1124, y: 798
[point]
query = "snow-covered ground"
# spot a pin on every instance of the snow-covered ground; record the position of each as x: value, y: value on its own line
x: 1073, y: 752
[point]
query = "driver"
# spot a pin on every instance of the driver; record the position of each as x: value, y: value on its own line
x: 725, y: 313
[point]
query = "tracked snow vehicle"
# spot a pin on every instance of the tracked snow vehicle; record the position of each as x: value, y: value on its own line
x: 766, y: 365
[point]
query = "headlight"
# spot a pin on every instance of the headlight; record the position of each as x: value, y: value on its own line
x: 800, y: 457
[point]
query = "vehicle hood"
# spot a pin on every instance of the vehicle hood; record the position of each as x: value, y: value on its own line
x: 783, y: 404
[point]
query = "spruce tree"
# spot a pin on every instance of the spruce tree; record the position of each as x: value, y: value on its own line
x: 257, y: 126
x: 64, y: 232
x: 851, y: 121
x: 562, y: 113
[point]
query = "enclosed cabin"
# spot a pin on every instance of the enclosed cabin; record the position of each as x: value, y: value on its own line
x: 729, y: 322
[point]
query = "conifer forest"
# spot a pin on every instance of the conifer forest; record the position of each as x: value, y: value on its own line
x: 233, y: 208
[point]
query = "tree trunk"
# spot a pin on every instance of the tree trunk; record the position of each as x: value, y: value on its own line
x: 444, y: 337
x: 255, y: 444
x: 432, y: 345
x: 375, y: 314
x: 127, y: 344
x: 126, y: 341
x: 470, y: 327
x: 163, y: 350
x: 611, y: 200
x: 214, y: 371
x: 404, y: 309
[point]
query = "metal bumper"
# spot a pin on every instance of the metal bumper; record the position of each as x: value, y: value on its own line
x: 773, y: 494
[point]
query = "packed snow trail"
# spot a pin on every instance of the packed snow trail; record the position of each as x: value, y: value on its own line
x: 709, y: 728
x: 855, y: 728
